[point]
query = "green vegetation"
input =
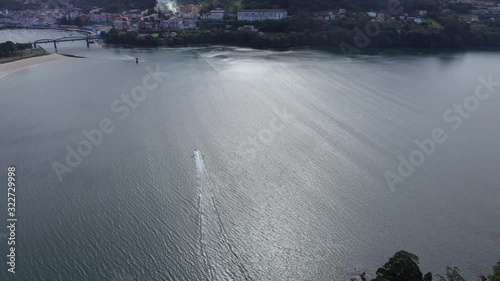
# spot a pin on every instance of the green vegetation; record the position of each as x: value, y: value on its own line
x: 301, y: 28
x: 452, y: 274
x: 496, y: 273
x: 300, y: 6
x: 10, y: 52
x: 15, y: 5
x: 133, y: 39
x: 78, y: 21
x: 403, y: 266
x: 208, y: 5
x: 467, y: 16
x: 115, y: 6
x: 302, y: 31
x: 433, y: 23
x: 10, y: 48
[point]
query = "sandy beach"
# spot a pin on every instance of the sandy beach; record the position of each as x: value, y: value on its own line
x: 12, y: 67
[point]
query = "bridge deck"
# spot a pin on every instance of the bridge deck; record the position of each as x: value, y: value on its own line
x: 67, y: 39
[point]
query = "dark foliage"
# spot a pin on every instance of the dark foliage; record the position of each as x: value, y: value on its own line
x: 9, y: 48
x: 115, y: 6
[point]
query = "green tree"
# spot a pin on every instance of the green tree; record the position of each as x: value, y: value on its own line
x: 452, y: 274
x: 78, y: 21
x: 496, y: 273
x: 10, y: 47
x: 403, y: 266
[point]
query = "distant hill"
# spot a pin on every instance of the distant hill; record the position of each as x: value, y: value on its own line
x: 115, y: 6
x: 14, y: 5
x: 298, y: 6
x: 293, y: 6
x: 108, y: 5
x: 310, y: 5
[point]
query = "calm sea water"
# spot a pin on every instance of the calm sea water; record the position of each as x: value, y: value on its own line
x: 287, y: 182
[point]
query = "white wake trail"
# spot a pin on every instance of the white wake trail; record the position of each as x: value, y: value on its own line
x: 220, y: 259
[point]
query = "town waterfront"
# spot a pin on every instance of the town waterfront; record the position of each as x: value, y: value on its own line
x: 288, y: 180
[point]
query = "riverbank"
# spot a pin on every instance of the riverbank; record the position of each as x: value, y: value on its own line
x: 89, y: 32
x: 25, y: 54
x: 15, y: 66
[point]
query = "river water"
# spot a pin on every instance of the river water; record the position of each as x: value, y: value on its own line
x: 288, y: 180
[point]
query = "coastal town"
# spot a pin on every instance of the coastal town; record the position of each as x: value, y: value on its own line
x: 427, y: 24
x: 187, y: 17
x: 180, y: 18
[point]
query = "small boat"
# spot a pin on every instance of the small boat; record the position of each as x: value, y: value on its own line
x: 197, y: 152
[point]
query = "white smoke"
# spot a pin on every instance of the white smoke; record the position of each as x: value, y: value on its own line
x: 167, y: 5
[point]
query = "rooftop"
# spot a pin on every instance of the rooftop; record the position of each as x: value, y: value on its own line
x: 264, y: 10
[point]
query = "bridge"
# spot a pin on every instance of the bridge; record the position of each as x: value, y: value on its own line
x: 88, y: 39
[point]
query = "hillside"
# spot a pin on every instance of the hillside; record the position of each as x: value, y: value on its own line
x: 299, y: 6
x: 114, y: 6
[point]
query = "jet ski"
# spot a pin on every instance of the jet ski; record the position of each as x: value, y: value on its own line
x: 196, y: 151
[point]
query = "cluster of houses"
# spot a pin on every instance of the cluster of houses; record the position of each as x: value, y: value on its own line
x: 374, y: 16
x: 259, y: 15
x: 493, y: 10
x: 186, y: 17
x: 32, y: 18
x: 416, y: 17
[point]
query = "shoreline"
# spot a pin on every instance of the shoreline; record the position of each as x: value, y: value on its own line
x: 9, y: 68
x: 335, y: 49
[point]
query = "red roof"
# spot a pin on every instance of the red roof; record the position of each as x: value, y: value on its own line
x: 174, y: 20
x: 264, y: 10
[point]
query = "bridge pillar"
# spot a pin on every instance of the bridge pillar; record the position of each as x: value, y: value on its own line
x: 88, y: 43
x: 55, y: 45
x: 34, y: 45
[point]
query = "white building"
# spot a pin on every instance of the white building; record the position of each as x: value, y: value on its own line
x: 101, y: 28
x: 258, y: 15
x: 216, y: 14
x: 98, y: 18
x: 151, y: 18
x: 248, y: 28
x: 120, y: 24
x: 172, y: 24
x: 74, y: 15
x: 95, y: 11
x: 189, y: 21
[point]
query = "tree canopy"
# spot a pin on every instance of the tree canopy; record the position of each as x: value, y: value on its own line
x: 115, y: 6
x: 403, y: 266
